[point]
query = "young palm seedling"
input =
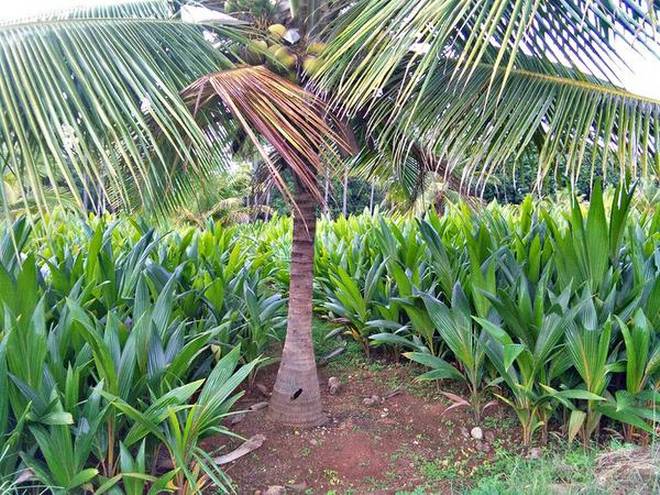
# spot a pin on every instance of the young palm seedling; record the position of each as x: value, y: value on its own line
x: 468, y: 346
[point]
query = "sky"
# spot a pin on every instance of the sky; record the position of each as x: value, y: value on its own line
x: 642, y: 77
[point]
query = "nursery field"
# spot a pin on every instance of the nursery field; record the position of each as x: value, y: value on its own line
x: 329, y: 247
x: 476, y: 350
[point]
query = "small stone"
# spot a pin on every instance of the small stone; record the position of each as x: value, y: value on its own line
x: 371, y: 401
x: 464, y: 432
x: 313, y: 441
x: 535, y: 453
x: 275, y: 490
x: 477, y: 433
x: 334, y: 384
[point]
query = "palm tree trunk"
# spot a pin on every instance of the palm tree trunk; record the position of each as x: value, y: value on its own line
x: 371, y: 198
x: 296, y: 398
x: 344, y: 206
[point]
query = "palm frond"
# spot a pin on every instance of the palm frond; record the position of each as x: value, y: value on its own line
x: 376, y: 37
x: 292, y: 120
x: 575, y: 118
x: 477, y: 80
x: 89, y: 102
x: 412, y: 181
x: 572, y: 116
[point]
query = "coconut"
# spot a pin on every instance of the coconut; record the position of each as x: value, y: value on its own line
x: 256, y: 49
x: 260, y: 45
x: 277, y: 30
x: 310, y: 65
x: 316, y: 48
x: 283, y: 55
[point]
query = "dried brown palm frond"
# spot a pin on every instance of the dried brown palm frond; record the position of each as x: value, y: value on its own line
x: 293, y: 121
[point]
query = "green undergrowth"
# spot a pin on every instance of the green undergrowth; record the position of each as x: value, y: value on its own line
x: 559, y: 470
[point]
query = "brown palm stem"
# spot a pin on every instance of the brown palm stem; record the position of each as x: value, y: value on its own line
x: 296, y: 395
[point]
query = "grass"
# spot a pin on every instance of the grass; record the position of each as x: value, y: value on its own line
x: 561, y: 470
x: 510, y: 473
x: 558, y: 471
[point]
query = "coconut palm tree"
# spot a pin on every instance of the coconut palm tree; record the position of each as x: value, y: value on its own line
x: 289, y: 39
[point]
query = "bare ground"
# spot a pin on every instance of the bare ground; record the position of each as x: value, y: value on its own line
x: 394, y: 445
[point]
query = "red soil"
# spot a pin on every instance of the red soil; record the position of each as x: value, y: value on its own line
x: 396, y: 445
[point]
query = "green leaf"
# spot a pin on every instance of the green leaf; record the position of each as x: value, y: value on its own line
x: 440, y: 368
x: 81, y: 478
x: 495, y: 331
x: 511, y: 352
x: 597, y: 239
x: 579, y: 394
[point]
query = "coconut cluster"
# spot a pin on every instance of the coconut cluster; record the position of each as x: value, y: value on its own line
x: 285, y: 53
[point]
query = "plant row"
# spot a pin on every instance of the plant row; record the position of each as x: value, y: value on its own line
x: 123, y: 346
x: 121, y: 350
x: 553, y: 308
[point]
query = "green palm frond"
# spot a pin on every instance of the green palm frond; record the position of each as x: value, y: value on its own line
x: 478, y: 81
x: 375, y: 37
x: 89, y: 102
x: 572, y: 116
